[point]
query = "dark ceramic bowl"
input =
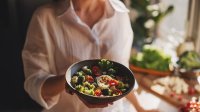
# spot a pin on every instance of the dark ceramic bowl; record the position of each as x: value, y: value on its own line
x: 98, y: 99
x: 190, y: 74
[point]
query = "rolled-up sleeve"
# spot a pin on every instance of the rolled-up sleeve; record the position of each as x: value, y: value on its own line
x: 36, y: 61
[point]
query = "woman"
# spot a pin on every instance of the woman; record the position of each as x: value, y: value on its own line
x: 68, y: 31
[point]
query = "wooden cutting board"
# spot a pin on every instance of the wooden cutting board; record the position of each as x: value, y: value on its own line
x: 146, y: 82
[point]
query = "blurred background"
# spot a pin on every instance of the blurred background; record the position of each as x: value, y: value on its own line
x: 14, y: 19
x: 167, y: 24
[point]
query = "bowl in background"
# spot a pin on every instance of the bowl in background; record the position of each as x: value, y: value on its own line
x: 190, y: 74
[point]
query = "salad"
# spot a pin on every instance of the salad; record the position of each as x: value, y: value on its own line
x: 100, y: 80
x: 189, y: 60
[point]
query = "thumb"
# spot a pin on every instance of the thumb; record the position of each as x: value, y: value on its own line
x: 68, y: 89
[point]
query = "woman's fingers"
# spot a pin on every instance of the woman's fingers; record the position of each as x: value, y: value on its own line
x: 153, y: 110
x: 68, y: 90
x: 96, y: 105
x: 99, y: 105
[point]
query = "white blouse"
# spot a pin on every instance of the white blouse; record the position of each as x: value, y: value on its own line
x: 57, y: 40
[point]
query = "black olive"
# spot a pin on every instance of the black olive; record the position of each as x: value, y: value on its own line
x: 81, y: 79
x: 105, y: 92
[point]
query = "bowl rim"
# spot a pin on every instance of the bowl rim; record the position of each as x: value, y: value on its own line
x: 99, y: 97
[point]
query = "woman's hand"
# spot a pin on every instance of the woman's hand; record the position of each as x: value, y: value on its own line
x: 53, y: 86
x: 68, y: 90
x: 152, y: 110
x: 89, y: 105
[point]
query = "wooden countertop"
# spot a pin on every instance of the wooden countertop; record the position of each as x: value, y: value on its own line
x: 146, y: 82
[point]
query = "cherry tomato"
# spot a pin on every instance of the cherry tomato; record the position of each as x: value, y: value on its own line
x: 180, y: 98
x: 90, y: 79
x: 97, y: 92
x: 113, y: 82
x: 97, y: 74
x: 188, y: 105
x: 172, y: 94
x: 95, y: 69
x: 191, y: 91
x: 119, y: 92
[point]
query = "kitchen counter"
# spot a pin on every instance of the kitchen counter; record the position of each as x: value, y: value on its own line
x: 150, y: 100
x: 156, y: 95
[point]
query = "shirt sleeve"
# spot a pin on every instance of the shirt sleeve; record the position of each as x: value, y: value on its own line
x: 36, y: 61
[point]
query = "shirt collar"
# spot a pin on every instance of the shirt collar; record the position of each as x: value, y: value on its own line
x: 112, y: 6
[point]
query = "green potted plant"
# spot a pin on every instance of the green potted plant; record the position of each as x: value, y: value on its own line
x: 149, y: 15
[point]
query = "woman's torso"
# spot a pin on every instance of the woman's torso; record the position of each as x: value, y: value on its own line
x: 74, y: 41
